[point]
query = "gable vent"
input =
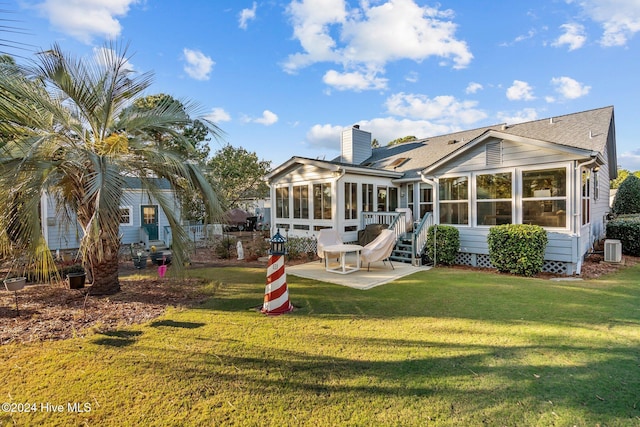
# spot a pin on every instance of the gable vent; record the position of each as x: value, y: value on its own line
x: 493, y: 151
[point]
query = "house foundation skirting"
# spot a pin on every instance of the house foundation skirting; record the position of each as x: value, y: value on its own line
x: 483, y: 261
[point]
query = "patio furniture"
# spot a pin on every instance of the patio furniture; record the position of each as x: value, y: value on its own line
x: 408, y: 217
x: 342, y: 251
x: 370, y: 232
x: 327, y: 237
x: 380, y: 249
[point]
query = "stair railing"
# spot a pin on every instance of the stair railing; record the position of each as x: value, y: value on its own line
x: 419, y: 238
x: 398, y: 225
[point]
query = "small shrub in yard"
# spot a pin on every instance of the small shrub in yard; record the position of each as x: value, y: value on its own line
x: 447, y: 242
x: 627, y: 199
x: 627, y: 230
x: 517, y: 248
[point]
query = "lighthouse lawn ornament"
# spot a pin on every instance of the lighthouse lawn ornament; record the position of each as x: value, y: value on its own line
x: 276, y: 294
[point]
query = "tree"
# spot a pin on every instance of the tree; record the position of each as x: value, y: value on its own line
x: 627, y: 200
x: 75, y: 137
x: 237, y: 174
x: 622, y: 175
x: 402, y: 140
x: 375, y: 143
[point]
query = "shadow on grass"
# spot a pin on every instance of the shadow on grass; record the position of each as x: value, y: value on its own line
x: 174, y: 324
x: 119, y: 338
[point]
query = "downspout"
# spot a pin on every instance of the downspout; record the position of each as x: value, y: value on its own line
x: 435, y: 186
x: 577, y: 204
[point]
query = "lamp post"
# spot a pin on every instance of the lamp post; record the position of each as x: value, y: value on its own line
x: 276, y: 294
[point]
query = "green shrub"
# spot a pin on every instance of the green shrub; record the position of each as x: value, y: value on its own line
x: 447, y: 242
x: 627, y: 230
x: 627, y: 200
x: 517, y: 248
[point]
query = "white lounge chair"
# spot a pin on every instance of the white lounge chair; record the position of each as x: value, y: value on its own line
x: 327, y: 237
x: 380, y: 249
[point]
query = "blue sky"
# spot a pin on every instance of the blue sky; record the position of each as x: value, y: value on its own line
x: 283, y: 78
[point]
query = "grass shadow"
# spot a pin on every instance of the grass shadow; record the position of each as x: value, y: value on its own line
x: 120, y: 338
x: 174, y: 324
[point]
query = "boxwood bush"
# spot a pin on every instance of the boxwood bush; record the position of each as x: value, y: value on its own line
x: 627, y: 200
x: 517, y: 248
x: 447, y: 242
x: 626, y: 229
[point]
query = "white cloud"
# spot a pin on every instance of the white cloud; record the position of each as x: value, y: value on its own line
x: 218, y: 115
x: 412, y: 77
x: 247, y: 15
x: 473, y: 87
x: 573, y: 37
x: 198, y: 65
x: 268, y: 118
x: 442, y: 109
x: 357, y: 81
x: 327, y: 136
x: 86, y: 19
x: 371, y: 36
x: 569, y: 88
x: 524, y: 115
x: 620, y: 19
x: 630, y: 160
x: 520, y: 91
x: 104, y: 55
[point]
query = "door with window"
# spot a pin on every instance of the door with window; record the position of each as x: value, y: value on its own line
x: 150, y: 220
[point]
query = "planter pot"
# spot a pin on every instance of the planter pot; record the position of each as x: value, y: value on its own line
x: 76, y: 280
x: 15, y: 284
x: 140, y: 262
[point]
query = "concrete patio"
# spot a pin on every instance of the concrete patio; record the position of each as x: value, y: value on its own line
x: 379, y: 273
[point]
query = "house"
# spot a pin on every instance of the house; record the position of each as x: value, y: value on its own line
x: 553, y: 172
x: 142, y: 220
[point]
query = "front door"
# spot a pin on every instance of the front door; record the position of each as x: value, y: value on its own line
x: 150, y: 220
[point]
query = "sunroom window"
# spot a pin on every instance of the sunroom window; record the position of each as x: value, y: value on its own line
x: 301, y: 201
x: 322, y: 201
x: 454, y: 200
x: 494, y: 203
x: 544, y: 197
x: 282, y: 202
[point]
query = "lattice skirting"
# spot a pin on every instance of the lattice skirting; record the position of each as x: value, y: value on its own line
x: 483, y: 261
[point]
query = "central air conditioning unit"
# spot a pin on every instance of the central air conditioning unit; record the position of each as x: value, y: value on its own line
x: 612, y: 250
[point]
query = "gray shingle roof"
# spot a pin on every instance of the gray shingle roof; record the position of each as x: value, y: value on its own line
x: 587, y: 130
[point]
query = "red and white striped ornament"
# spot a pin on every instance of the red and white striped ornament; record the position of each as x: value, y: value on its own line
x: 276, y: 294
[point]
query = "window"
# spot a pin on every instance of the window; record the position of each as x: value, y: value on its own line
x: 410, y: 197
x: 544, y: 197
x: 454, y: 200
x: 367, y: 197
x: 426, y: 199
x: 350, y: 200
x: 586, y: 196
x: 393, y: 198
x: 596, y: 190
x: 322, y: 201
x: 125, y: 215
x: 282, y: 202
x: 301, y: 201
x: 493, y: 199
x: 382, y: 199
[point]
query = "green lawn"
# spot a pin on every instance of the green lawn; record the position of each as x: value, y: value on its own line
x: 442, y: 347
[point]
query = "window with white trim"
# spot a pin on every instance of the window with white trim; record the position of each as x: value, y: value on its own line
x: 454, y: 200
x: 282, y: 202
x: 126, y: 216
x: 544, y: 197
x: 494, y: 198
x: 586, y: 196
x: 350, y: 200
x: 367, y: 197
x: 301, y: 201
x: 322, y: 201
x: 426, y: 199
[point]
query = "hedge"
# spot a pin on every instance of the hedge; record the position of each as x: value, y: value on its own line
x: 627, y: 230
x: 627, y: 200
x: 517, y: 248
x: 447, y: 240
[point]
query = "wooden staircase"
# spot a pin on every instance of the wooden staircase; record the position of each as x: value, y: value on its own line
x: 402, y: 251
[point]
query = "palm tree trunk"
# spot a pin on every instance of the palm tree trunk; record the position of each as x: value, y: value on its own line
x: 105, y: 275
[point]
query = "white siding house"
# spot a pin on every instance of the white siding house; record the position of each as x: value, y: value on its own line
x: 553, y: 172
x: 141, y: 218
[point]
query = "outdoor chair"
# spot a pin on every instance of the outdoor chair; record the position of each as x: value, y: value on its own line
x: 328, y: 237
x: 380, y: 249
x: 408, y: 217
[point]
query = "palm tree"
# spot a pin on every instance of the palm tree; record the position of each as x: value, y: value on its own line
x: 74, y: 134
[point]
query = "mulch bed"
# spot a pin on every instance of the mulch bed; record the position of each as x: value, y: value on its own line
x: 54, y: 312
